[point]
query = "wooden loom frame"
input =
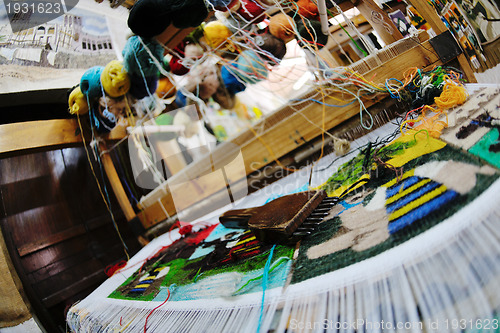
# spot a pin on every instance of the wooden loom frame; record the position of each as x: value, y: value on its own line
x: 158, y: 205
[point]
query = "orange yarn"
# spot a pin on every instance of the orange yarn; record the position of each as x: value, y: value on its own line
x: 281, y: 26
x: 165, y: 88
x: 451, y: 96
x: 308, y: 9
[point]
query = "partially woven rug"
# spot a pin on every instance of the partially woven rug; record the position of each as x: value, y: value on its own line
x: 413, y: 245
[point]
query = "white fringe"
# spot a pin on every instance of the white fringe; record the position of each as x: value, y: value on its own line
x: 444, y: 280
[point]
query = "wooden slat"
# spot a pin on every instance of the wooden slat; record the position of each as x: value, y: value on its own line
x: 61, y: 236
x: 51, y: 240
x: 256, y: 155
x: 63, y: 294
x: 44, y: 135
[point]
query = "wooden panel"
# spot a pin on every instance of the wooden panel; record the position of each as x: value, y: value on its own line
x: 60, y: 234
x: 277, y: 136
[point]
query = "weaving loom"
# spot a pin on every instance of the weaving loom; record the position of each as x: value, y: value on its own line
x: 414, y: 248
x: 382, y: 258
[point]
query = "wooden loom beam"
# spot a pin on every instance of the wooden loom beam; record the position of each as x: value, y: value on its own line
x: 42, y: 135
x: 379, y: 20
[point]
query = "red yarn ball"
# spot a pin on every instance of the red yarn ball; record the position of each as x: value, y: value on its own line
x: 250, y: 10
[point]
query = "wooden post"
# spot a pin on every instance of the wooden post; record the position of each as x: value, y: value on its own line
x: 119, y: 191
x: 379, y: 20
x: 432, y: 17
x: 115, y: 182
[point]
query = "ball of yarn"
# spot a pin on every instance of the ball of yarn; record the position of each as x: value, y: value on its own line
x: 184, y: 56
x: 176, y: 65
x: 166, y: 88
x: 308, y: 9
x: 216, y: 33
x: 231, y: 81
x: 114, y: 79
x: 90, y: 83
x: 141, y: 87
x: 77, y: 102
x: 311, y: 34
x: 136, y: 58
x: 275, y: 46
x: 148, y: 18
x: 281, y: 26
x: 251, y: 11
x: 251, y: 67
x: 188, y: 13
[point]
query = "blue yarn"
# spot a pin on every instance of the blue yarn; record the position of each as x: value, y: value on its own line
x: 387, y: 86
x: 231, y: 82
x: 264, y: 284
x: 136, y: 58
x: 251, y: 67
x: 180, y: 99
x: 90, y: 83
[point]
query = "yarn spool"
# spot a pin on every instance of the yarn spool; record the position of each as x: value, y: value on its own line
x: 281, y: 26
x: 233, y: 85
x: 140, y: 67
x: 176, y: 66
x: 114, y: 79
x: 165, y: 88
x: 136, y: 59
x: 308, y: 9
x: 251, y: 11
x: 311, y: 34
x: 148, y: 18
x: 251, y: 68
x: 77, y: 102
x: 90, y: 83
x: 269, y: 43
x: 216, y: 34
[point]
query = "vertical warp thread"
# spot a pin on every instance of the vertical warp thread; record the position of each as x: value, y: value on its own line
x: 264, y: 285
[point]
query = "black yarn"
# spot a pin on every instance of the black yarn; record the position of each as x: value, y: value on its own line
x: 312, y: 33
x: 149, y: 18
x: 271, y: 44
x: 188, y: 13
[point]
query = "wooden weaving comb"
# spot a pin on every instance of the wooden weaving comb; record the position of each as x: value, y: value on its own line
x: 284, y: 219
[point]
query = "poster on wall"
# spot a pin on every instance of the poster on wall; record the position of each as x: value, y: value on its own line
x: 56, y: 53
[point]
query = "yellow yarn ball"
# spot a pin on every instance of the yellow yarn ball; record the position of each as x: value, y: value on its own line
x: 77, y: 102
x: 114, y: 79
x: 216, y: 33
